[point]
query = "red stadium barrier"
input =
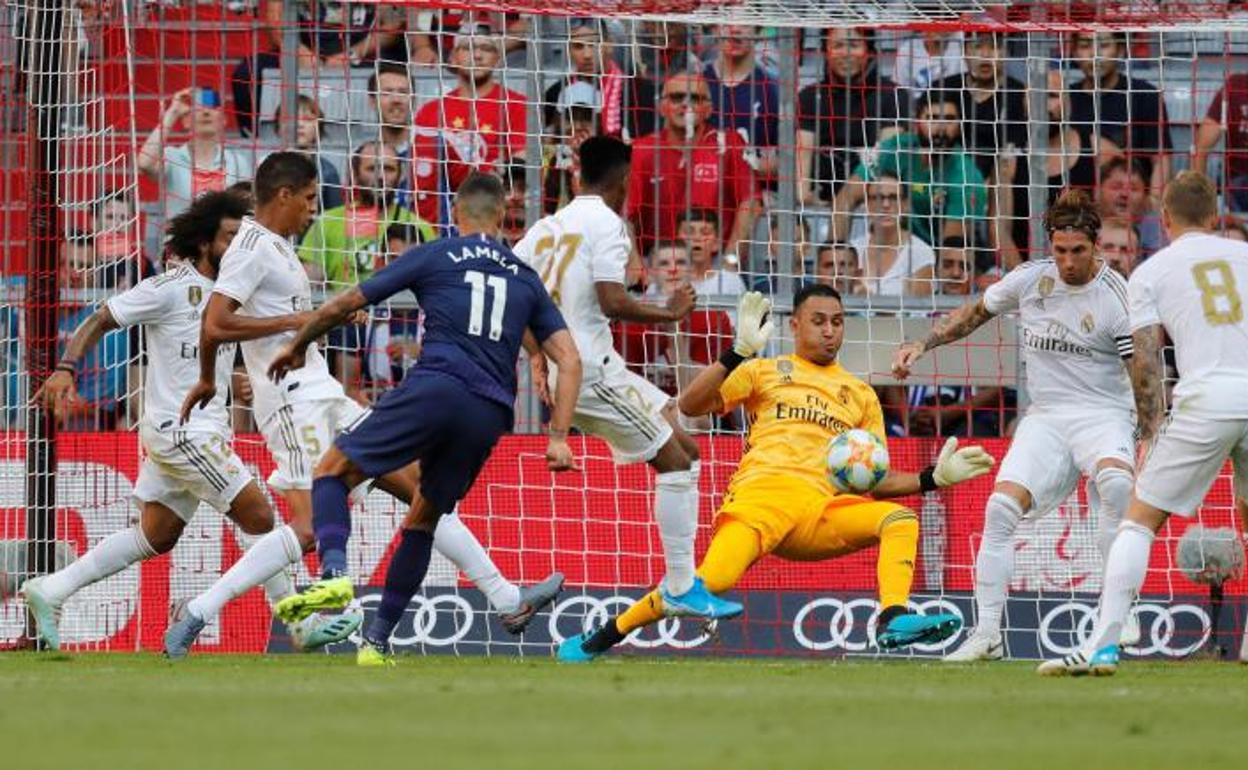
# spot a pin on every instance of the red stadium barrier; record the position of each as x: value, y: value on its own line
x: 596, y: 527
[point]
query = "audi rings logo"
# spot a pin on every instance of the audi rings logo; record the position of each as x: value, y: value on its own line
x: 828, y: 623
x: 438, y: 621
x: 578, y: 614
x: 1175, y: 630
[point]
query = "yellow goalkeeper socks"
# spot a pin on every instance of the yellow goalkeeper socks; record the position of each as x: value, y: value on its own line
x: 899, y: 542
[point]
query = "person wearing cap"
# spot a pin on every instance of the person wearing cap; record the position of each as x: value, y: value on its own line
x: 690, y: 164
x: 575, y: 120
x: 478, y: 126
x: 627, y: 102
x: 204, y: 163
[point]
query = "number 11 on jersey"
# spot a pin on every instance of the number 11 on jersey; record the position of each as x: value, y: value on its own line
x: 476, y: 312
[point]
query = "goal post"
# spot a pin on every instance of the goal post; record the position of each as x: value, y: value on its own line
x: 901, y: 151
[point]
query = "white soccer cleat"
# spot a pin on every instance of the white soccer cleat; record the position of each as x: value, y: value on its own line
x: 1103, y: 662
x: 977, y: 646
x: 1131, y: 633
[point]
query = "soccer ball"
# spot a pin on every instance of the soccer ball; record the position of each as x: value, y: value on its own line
x: 857, y: 461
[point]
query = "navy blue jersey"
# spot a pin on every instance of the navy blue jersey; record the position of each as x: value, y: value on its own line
x: 478, y: 299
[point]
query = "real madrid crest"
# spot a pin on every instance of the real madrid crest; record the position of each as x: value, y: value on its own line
x: 1046, y: 286
x: 1088, y: 324
x: 843, y: 395
x: 194, y: 294
x: 785, y: 368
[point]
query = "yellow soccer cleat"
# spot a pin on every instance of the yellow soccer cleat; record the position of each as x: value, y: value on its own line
x: 331, y: 594
x: 372, y: 656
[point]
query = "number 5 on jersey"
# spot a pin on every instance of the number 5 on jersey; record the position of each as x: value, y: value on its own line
x: 476, y: 312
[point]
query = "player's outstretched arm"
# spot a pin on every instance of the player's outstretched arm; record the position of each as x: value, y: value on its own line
x: 58, y: 390
x: 958, y: 324
x: 1147, y: 380
x: 953, y: 466
x: 321, y: 320
x: 703, y: 396
x: 222, y: 322
x: 561, y: 349
x: 617, y: 305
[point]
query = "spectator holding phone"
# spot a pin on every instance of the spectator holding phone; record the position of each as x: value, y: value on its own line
x: 204, y: 163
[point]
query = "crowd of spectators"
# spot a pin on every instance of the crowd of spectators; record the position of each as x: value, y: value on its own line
x: 909, y: 173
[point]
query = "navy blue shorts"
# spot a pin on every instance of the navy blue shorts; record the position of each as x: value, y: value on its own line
x: 432, y: 418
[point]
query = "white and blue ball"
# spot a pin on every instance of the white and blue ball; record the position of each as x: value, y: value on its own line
x: 857, y: 461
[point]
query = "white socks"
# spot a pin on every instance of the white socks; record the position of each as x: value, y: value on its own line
x: 994, y: 565
x: 456, y: 542
x: 1113, y: 489
x: 109, y: 556
x: 675, y: 510
x: 265, y: 560
x: 277, y: 587
x: 1125, y: 569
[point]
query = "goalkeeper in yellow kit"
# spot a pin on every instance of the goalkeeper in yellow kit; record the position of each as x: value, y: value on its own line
x: 780, y: 501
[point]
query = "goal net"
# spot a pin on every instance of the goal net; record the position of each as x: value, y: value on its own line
x: 903, y: 152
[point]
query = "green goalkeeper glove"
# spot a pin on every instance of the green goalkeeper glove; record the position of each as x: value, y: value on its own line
x: 956, y: 465
x: 754, y: 324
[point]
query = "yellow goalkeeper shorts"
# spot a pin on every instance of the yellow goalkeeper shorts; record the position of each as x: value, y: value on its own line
x: 799, y: 522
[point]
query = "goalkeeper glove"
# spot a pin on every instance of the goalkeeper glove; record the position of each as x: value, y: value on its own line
x: 956, y: 465
x: 754, y: 324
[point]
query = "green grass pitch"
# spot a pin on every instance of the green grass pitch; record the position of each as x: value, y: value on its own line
x: 234, y: 712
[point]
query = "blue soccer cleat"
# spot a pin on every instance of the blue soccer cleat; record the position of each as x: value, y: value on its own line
x: 911, y: 628
x: 699, y: 602
x: 1103, y: 662
x: 317, y: 630
x: 181, y: 635
x: 572, y: 650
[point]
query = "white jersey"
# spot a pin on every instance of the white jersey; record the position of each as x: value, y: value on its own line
x: 581, y: 244
x: 1074, y: 338
x: 169, y: 307
x: 261, y: 272
x: 1196, y: 288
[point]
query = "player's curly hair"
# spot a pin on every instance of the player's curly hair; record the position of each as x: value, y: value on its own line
x: 1073, y: 210
x: 199, y: 223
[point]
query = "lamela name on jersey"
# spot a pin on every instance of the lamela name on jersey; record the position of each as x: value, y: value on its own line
x: 483, y: 251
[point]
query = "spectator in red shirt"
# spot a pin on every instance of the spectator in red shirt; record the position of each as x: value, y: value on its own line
x: 689, y: 164
x: 478, y: 126
x: 1227, y: 118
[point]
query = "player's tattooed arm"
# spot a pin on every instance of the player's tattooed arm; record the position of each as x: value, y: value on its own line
x: 332, y: 313
x: 58, y: 389
x: 955, y: 326
x: 1147, y: 380
x: 326, y: 317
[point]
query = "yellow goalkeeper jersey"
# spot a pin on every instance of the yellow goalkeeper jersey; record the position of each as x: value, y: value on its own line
x: 795, y: 408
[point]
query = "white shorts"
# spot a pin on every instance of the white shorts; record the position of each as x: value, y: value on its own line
x: 181, y: 468
x: 1187, y: 457
x: 299, y: 434
x: 1050, y: 451
x: 625, y: 410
